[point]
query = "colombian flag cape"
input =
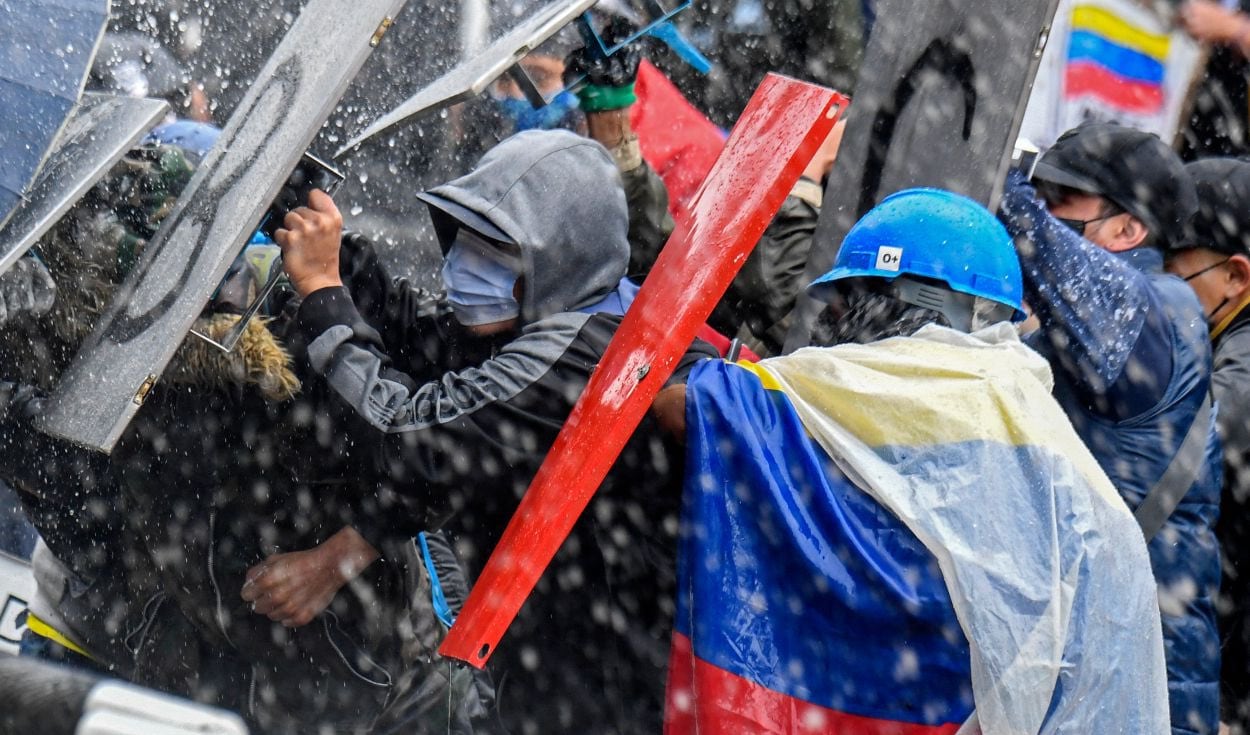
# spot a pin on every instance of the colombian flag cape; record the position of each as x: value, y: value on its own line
x: 878, y: 537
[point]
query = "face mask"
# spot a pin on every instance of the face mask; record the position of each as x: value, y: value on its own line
x: 554, y: 114
x: 479, y: 279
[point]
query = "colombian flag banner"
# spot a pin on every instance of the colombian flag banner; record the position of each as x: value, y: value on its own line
x: 879, y: 538
x: 1113, y: 61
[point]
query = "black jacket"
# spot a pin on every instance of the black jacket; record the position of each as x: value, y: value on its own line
x: 589, y: 649
x: 1231, y: 385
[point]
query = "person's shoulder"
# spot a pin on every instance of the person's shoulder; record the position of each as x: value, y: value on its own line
x: 1234, y: 343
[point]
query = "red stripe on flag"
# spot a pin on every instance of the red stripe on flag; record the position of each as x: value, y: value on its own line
x: 708, y: 700
x: 1085, y: 78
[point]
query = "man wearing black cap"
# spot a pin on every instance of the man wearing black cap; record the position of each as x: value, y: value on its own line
x: 1216, y: 264
x: 1132, y: 366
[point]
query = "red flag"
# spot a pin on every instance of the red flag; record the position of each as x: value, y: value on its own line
x: 780, y: 130
x: 677, y: 141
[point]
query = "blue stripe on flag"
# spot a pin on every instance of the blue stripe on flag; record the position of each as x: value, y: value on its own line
x: 795, y: 579
x: 1124, y: 62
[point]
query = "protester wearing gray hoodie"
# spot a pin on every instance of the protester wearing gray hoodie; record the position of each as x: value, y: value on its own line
x: 535, y: 245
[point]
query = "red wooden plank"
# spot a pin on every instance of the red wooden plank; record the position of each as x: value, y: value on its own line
x: 777, y: 134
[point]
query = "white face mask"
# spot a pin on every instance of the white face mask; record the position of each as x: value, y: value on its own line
x: 479, y: 278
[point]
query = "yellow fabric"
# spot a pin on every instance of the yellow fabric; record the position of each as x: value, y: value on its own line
x: 959, y: 437
x: 915, y: 392
x: 1218, y: 329
x: 42, y: 629
x: 766, y: 378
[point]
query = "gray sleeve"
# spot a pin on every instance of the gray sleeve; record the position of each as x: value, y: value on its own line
x: 650, y: 223
x: 390, y: 402
x: 1231, y: 384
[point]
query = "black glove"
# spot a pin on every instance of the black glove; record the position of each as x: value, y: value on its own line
x: 608, y: 82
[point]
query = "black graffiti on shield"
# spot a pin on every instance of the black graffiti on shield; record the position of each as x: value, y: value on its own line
x: 950, y: 63
x: 203, y: 210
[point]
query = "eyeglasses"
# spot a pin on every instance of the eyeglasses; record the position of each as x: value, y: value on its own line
x: 1078, y: 225
x: 1213, y: 266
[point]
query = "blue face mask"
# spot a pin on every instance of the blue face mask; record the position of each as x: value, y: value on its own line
x: 556, y: 114
x: 479, y: 279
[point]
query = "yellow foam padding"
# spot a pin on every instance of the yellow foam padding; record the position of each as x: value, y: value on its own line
x: 1114, y: 28
x: 1218, y: 329
x: 939, y: 387
x: 43, y: 630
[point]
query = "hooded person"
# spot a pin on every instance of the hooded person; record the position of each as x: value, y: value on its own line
x: 881, y: 534
x: 536, y: 247
x: 212, y: 476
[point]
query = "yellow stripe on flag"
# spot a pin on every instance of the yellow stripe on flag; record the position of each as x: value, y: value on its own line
x: 766, y: 378
x: 1117, y: 30
x: 939, y: 387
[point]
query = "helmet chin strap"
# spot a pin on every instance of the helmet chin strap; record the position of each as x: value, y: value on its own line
x: 965, y: 312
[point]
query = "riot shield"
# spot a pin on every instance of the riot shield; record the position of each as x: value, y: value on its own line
x: 473, y: 76
x: 938, y: 102
x: 221, y: 207
x: 46, y: 50
x: 100, y: 131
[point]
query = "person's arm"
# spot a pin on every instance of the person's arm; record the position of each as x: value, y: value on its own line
x: 669, y: 410
x: 606, y: 96
x: 414, y: 322
x: 386, y: 302
x: 1099, y: 315
x: 293, y: 588
x: 763, y: 293
x: 1211, y: 22
x: 650, y: 222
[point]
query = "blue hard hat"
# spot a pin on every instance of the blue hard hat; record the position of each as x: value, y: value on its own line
x: 930, y: 233
x: 194, y: 138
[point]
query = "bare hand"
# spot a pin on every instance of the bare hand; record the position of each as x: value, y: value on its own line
x: 295, y: 587
x: 669, y: 409
x: 1212, y: 23
x: 310, y: 238
x: 822, y: 163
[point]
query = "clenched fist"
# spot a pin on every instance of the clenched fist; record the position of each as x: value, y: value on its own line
x: 310, y: 238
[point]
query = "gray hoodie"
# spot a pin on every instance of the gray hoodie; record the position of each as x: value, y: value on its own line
x: 558, y: 197
x: 460, y: 450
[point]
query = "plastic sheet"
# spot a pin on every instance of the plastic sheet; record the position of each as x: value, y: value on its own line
x: 811, y: 608
x: 1073, y: 620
